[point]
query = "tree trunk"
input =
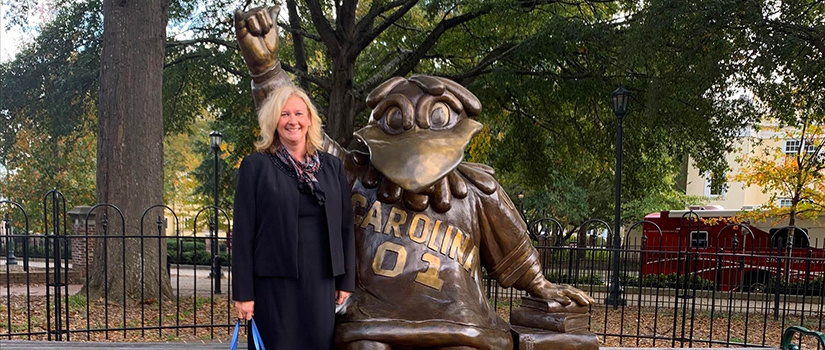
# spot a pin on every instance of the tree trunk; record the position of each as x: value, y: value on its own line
x: 297, y: 43
x: 341, y: 112
x: 792, y: 216
x: 130, y: 151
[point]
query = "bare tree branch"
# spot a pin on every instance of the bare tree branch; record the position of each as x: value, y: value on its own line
x: 300, y: 32
x: 512, y: 100
x: 198, y: 55
x: 383, y: 73
x: 324, y: 28
x: 184, y: 58
x: 376, y: 9
x: 408, y: 28
x: 365, y: 33
x: 412, y: 60
x: 297, y: 43
x: 345, y: 19
x: 808, y: 34
x: 232, y: 70
x: 482, y: 66
x: 217, y: 41
x: 321, y: 82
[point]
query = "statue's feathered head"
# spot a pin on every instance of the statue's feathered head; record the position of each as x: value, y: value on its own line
x: 419, y: 128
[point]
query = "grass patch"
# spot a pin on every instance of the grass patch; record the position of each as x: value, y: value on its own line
x: 77, y: 301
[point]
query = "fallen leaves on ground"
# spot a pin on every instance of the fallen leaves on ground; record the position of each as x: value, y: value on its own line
x: 185, y: 319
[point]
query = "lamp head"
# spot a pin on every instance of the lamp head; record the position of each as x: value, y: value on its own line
x: 215, y: 139
x: 620, y: 97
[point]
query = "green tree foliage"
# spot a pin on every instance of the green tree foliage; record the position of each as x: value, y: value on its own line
x: 788, y: 63
x: 50, y: 87
x: 543, y: 69
x: 461, y: 40
x: 49, y: 95
x: 41, y: 163
x: 787, y: 66
x: 548, y: 105
x: 48, y: 112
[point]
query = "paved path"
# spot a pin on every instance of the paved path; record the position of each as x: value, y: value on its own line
x: 187, y: 280
x: 190, y: 280
x: 42, y: 345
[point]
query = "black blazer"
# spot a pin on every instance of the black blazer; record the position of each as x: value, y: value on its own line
x: 265, y: 241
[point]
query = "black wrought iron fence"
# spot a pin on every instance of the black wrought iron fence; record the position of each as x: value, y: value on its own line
x: 92, y: 276
x: 711, y: 297
x: 69, y: 282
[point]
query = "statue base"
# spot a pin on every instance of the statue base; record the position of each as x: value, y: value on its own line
x: 540, y: 339
x: 539, y: 324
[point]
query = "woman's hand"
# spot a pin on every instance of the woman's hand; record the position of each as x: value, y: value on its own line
x: 245, y: 309
x: 341, y: 296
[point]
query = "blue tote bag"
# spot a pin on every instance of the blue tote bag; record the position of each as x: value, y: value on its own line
x: 256, y: 337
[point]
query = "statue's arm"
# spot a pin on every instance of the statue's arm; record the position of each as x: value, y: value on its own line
x: 509, y: 255
x: 333, y: 148
x: 257, y: 35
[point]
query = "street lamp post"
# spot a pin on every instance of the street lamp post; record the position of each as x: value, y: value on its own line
x: 215, y: 141
x: 614, y: 298
x: 10, y: 258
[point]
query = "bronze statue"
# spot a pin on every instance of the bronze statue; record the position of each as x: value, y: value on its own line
x: 427, y: 222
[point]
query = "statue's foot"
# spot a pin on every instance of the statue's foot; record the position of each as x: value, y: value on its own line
x: 366, y: 345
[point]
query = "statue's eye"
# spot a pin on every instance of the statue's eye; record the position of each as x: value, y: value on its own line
x: 440, y: 115
x: 395, y: 120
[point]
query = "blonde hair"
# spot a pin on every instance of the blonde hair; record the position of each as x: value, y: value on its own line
x: 270, y: 114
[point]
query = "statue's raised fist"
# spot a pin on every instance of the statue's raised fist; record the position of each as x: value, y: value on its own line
x: 257, y: 35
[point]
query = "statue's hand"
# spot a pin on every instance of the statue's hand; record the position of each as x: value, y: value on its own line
x: 257, y: 35
x: 564, y: 294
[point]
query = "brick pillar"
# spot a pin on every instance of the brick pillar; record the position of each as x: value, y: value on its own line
x: 81, y: 246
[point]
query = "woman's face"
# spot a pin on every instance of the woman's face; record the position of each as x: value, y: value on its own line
x: 294, y: 123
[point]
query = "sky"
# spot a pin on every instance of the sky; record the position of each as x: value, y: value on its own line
x: 8, y: 45
x: 13, y: 39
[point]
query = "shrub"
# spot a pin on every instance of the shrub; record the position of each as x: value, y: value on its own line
x: 798, y: 287
x: 567, y: 279
x: 669, y: 280
x: 188, y: 247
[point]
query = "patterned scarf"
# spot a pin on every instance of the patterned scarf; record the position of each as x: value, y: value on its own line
x: 304, y: 171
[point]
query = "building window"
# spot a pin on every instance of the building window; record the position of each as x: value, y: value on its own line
x: 698, y: 239
x: 784, y: 202
x: 714, y: 188
x: 792, y: 146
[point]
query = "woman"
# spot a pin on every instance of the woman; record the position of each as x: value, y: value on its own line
x: 293, y: 246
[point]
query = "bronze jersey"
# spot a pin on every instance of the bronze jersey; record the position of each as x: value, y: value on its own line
x: 419, y: 259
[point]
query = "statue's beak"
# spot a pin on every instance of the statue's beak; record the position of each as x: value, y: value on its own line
x: 417, y: 158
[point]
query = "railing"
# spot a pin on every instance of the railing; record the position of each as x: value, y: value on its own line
x: 53, y: 287
x: 674, y: 296
x: 690, y: 298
